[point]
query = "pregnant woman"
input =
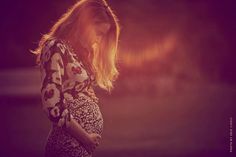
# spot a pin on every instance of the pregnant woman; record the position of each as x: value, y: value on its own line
x: 77, y: 54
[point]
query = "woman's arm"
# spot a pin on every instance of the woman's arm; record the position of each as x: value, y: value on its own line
x: 53, y: 70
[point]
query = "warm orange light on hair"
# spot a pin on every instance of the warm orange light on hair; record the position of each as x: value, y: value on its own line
x: 76, y: 25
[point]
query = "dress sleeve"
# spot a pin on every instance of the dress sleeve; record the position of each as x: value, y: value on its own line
x: 52, y: 72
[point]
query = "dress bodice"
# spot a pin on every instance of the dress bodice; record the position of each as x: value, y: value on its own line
x: 63, y: 76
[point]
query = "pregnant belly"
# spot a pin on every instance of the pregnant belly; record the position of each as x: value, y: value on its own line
x: 87, y: 113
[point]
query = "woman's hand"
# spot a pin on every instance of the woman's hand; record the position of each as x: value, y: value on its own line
x: 88, y: 140
x: 91, y: 142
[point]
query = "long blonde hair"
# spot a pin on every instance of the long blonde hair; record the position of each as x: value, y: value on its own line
x: 104, y: 55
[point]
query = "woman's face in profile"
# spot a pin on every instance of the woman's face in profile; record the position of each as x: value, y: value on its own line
x: 93, y: 33
x: 100, y: 30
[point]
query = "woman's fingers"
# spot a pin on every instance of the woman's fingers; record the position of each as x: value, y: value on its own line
x: 99, y: 136
x: 94, y: 142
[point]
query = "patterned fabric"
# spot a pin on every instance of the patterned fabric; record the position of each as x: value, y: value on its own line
x: 67, y: 92
x: 61, y: 144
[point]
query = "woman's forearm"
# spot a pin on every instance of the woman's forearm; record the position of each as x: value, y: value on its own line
x: 75, y: 129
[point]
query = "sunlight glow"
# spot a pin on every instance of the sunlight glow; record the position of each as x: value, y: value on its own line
x: 154, y: 52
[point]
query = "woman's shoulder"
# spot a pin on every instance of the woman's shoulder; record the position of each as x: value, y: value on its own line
x: 52, y: 46
x: 55, y: 44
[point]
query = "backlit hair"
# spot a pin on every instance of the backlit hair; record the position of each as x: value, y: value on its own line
x: 103, y: 56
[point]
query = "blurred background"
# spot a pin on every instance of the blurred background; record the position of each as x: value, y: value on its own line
x: 175, y: 96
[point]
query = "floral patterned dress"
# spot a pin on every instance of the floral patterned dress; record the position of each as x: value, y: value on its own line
x: 66, y: 93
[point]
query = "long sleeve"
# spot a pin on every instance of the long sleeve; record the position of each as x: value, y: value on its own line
x: 52, y: 72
